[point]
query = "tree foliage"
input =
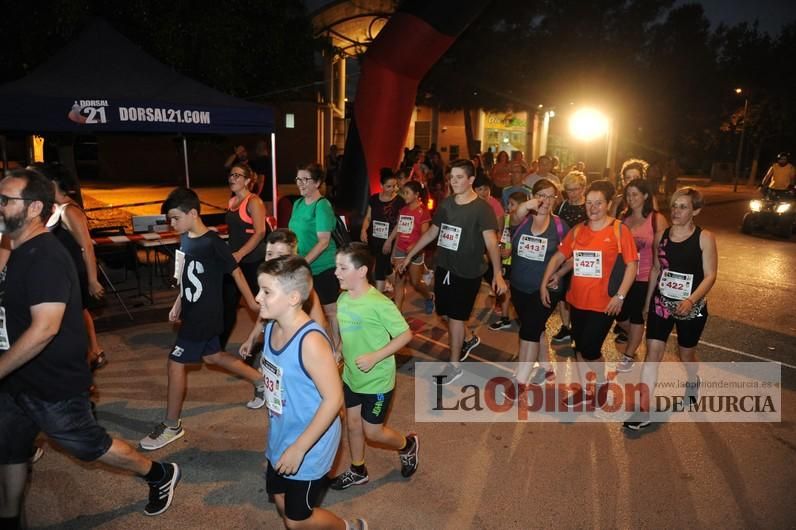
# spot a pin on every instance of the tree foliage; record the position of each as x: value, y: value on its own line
x: 667, y: 76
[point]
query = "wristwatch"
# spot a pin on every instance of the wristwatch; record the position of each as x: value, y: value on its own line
x: 620, y: 296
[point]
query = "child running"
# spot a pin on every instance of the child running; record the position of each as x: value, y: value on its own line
x: 372, y: 331
x: 413, y: 222
x: 201, y: 263
x: 303, y: 395
x: 283, y: 242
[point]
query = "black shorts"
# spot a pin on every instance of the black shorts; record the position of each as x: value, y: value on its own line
x: 633, y: 306
x: 688, y: 331
x: 454, y: 295
x: 589, y: 329
x: 189, y: 351
x: 374, y: 406
x: 327, y: 286
x: 489, y: 275
x: 382, y: 264
x: 69, y: 423
x: 301, y: 496
x: 531, y: 313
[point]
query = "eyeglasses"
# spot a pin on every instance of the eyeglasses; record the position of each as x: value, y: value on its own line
x: 543, y: 196
x: 237, y: 175
x: 302, y: 180
x: 5, y: 198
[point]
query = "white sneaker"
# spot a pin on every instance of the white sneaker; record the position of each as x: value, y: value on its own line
x: 161, y: 436
x: 258, y: 400
x: 626, y: 364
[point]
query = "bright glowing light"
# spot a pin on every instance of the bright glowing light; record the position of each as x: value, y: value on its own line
x: 588, y: 124
x: 756, y: 205
x: 738, y: 90
x: 783, y: 207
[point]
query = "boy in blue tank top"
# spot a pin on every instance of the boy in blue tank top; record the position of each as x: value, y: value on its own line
x: 303, y: 393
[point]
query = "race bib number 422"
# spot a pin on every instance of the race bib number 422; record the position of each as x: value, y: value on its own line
x: 675, y: 285
x: 449, y: 237
x: 588, y: 263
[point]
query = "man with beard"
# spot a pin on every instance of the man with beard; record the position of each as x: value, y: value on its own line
x: 44, y: 378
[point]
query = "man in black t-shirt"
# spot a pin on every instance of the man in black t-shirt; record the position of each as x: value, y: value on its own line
x: 201, y: 262
x: 44, y: 377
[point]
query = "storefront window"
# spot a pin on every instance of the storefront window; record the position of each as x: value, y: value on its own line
x: 506, y: 131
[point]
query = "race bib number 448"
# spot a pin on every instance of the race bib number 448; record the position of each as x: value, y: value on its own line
x: 449, y: 237
x: 588, y: 263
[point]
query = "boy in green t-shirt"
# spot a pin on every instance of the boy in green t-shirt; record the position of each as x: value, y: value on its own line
x: 372, y: 330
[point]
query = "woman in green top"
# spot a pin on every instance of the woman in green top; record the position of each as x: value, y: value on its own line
x: 313, y: 221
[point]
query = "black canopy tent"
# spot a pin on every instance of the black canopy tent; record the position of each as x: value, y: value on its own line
x: 103, y: 83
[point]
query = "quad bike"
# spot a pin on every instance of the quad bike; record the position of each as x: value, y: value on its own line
x: 774, y: 212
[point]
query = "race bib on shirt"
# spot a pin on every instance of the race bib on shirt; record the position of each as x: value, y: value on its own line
x: 675, y: 285
x: 179, y: 263
x: 406, y: 223
x: 588, y: 263
x: 4, y: 342
x: 381, y: 230
x: 449, y: 237
x: 532, y: 247
x: 505, y: 237
x: 272, y: 374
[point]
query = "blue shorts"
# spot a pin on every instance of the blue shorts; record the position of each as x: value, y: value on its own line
x: 189, y: 351
x: 69, y: 423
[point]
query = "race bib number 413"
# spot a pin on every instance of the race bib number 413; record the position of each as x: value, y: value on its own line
x: 588, y: 263
x: 449, y: 237
x: 532, y: 247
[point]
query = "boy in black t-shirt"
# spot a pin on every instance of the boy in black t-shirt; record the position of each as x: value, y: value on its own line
x: 201, y: 263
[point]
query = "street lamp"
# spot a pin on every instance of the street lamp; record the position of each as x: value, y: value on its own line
x: 588, y: 124
x: 739, y: 91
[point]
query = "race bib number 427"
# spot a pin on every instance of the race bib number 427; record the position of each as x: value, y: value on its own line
x: 588, y: 263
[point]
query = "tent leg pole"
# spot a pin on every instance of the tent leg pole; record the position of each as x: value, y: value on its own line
x: 185, y: 160
x: 5, y: 154
x: 274, y: 186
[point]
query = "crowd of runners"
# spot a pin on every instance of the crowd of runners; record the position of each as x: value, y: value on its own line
x: 543, y: 242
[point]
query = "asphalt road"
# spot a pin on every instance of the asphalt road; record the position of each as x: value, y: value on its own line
x: 471, y: 475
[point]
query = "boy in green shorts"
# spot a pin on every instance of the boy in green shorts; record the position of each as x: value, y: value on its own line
x: 372, y: 331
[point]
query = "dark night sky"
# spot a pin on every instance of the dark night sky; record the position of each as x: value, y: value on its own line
x: 772, y: 14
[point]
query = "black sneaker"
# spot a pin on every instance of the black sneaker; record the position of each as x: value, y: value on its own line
x: 348, y: 478
x: 621, y: 338
x: 468, y: 346
x: 564, y: 336
x: 638, y: 421
x: 501, y: 323
x: 161, y: 493
x: 409, y: 458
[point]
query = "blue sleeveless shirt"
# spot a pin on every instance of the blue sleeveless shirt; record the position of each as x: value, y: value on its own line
x: 300, y: 402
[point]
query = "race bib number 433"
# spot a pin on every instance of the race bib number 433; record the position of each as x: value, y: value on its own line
x: 272, y: 374
x: 449, y: 237
x: 588, y: 263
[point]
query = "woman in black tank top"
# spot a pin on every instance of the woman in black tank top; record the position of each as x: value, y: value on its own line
x: 685, y: 265
x: 247, y: 230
